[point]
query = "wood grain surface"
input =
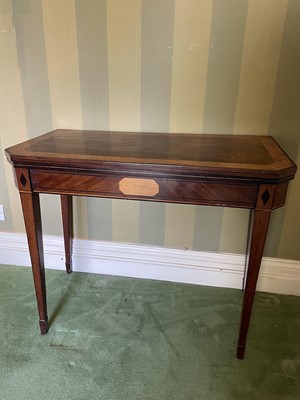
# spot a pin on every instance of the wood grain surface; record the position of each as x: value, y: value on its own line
x: 234, y: 155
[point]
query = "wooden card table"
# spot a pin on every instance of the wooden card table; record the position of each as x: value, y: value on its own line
x: 218, y: 170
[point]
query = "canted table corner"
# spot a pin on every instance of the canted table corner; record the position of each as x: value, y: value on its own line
x: 243, y: 171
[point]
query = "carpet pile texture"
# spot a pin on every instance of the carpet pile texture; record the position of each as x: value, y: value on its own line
x: 114, y: 338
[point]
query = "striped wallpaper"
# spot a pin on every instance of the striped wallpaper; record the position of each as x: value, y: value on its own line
x: 208, y: 66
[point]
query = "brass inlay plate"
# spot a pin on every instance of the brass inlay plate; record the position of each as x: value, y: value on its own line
x: 138, y: 187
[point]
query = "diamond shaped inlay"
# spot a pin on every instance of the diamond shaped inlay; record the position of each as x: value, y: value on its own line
x: 265, y: 196
x: 23, y: 180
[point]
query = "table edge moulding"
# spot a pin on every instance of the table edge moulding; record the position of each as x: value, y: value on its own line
x: 243, y: 171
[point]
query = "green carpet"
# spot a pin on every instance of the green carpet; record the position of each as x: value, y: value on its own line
x: 116, y: 338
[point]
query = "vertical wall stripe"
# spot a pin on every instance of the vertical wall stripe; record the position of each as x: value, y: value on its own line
x: 285, y: 115
x: 190, y: 58
x: 6, y: 225
x: 179, y: 225
x: 207, y: 228
x: 234, y: 234
x: 265, y: 23
x: 28, y: 18
x: 124, y: 66
x: 260, y: 58
x: 125, y: 217
x: 5, y: 10
x: 156, y: 77
x: 224, y: 62
x: 11, y: 110
x: 152, y: 223
x: 290, y: 229
x: 284, y: 126
x: 62, y: 60
x: 61, y: 51
x: 93, y: 72
x: 80, y: 217
x: 92, y: 58
x: 274, y: 232
x: 99, y: 218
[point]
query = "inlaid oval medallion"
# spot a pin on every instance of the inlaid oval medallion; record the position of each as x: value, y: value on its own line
x: 138, y: 187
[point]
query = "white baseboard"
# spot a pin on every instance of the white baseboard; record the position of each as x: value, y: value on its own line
x: 141, y: 261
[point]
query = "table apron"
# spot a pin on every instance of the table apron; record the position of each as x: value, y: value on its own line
x: 177, y: 190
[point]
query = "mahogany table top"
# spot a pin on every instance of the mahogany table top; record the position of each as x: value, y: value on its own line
x: 246, y: 156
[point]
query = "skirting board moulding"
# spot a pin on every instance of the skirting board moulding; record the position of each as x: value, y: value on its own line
x: 148, y: 262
